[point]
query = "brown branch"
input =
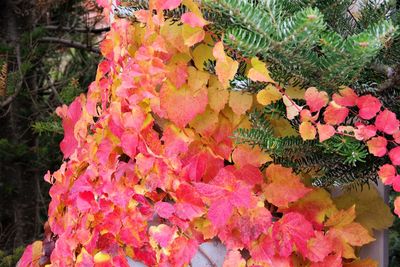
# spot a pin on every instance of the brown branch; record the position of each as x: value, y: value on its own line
x: 69, y: 43
x: 81, y: 30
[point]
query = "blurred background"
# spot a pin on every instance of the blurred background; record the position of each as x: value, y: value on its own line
x: 48, y: 55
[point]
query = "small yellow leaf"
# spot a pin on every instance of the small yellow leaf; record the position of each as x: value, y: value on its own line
x: 369, y: 207
x: 268, y: 95
x: 201, y: 54
x: 295, y: 92
x: 197, y: 79
x: 307, y: 130
x: 282, y: 127
x: 259, y: 71
x: 226, y: 67
x: 239, y: 102
x: 192, y: 35
x: 217, y: 95
x: 101, y: 257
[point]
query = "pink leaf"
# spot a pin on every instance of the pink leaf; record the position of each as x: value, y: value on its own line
x: 129, y: 142
x: 369, y: 106
x: 387, y: 122
x: 364, y: 132
x: 316, y: 100
x: 377, y: 146
x: 325, y: 131
x: 347, y: 97
x: 169, y: 4
x: 387, y: 173
x: 193, y: 20
x: 292, y: 230
x: 164, y: 209
x: 397, y: 206
x: 394, y: 155
x: 335, y: 114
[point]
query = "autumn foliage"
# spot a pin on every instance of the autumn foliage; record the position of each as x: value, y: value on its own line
x: 151, y: 170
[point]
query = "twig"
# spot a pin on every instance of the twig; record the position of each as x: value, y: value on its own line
x: 81, y: 30
x: 69, y: 43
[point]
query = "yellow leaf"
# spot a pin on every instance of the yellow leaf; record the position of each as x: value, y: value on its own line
x: 197, y: 79
x: 192, y: 35
x: 201, y: 54
x: 315, y: 206
x: 239, y: 102
x: 268, y: 95
x: 282, y: 127
x: 295, y: 92
x: 307, y: 130
x: 226, y: 67
x: 259, y: 71
x: 342, y: 217
x: 292, y: 109
x: 217, y: 95
x: 369, y: 207
x: 362, y: 263
x: 101, y: 257
x: 172, y: 32
x: 205, y: 123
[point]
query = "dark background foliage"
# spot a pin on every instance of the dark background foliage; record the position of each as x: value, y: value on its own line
x: 48, y: 56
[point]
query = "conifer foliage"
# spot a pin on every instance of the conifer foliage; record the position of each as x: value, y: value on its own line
x: 151, y: 170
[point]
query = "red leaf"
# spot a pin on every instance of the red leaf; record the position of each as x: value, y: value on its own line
x: 283, y: 187
x: 364, y: 132
x: 183, y: 104
x: 377, y: 146
x: 335, y: 114
x: 129, y: 142
x: 193, y: 20
x: 397, y: 206
x: 182, y: 251
x: 396, y: 137
x: 225, y: 192
x: 347, y: 97
x: 162, y: 234
x: 394, y: 155
x: 387, y: 122
x: 188, y: 203
x: 369, y: 106
x: 325, y: 131
x: 387, y: 173
x: 164, y: 209
x: 307, y: 130
x: 319, y: 247
x: 316, y: 100
x: 169, y: 4
x: 292, y: 230
x: 263, y: 249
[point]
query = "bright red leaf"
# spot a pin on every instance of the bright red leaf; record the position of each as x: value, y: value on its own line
x: 369, y: 106
x: 377, y: 146
x: 316, y: 99
x: 394, y: 155
x: 387, y: 122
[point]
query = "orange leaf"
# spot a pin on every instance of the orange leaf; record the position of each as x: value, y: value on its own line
x: 362, y: 263
x: 315, y: 99
x: 182, y: 104
x: 239, y: 102
x: 377, y: 146
x: 268, y: 95
x: 226, y: 67
x: 217, y: 95
x: 307, y: 130
x: 259, y: 71
x: 325, y: 131
x: 284, y: 187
